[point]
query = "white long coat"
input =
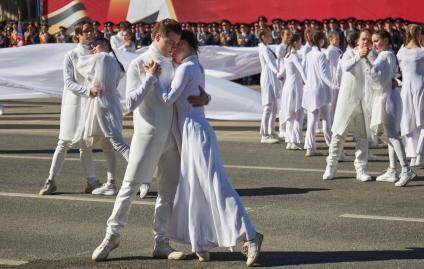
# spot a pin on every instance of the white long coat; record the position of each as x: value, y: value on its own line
x: 333, y: 55
x: 74, y: 95
x: 270, y: 85
x: 411, y: 62
x: 318, y: 87
x: 352, y: 91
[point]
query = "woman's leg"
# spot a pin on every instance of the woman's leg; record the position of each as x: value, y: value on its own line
x: 310, y: 131
x: 119, y: 144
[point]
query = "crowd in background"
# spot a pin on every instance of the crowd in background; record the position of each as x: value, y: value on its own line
x: 223, y: 33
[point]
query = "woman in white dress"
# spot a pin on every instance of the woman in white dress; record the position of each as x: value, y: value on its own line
x: 317, y: 93
x: 270, y: 87
x: 387, y: 108
x: 104, y: 112
x: 291, y: 100
x: 207, y: 212
x: 411, y: 62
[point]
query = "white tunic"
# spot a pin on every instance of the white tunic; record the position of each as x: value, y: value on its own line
x: 317, y: 90
x: 103, y: 113
x: 333, y: 55
x: 382, y: 73
x: 270, y: 85
x: 293, y: 88
x: 116, y: 41
x: 207, y: 212
x: 303, y: 52
x: 411, y: 62
x: 74, y: 95
x: 280, y: 51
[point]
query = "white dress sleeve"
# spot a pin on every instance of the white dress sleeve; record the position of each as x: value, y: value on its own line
x: 178, y: 85
x: 325, y: 72
x: 136, y: 91
x: 348, y: 62
x: 267, y: 57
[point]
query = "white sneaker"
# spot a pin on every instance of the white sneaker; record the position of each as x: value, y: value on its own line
x: 389, y: 176
x: 289, y: 146
x: 330, y: 172
x: 413, y: 162
x: 362, y: 175
x: 110, y: 242
x: 92, y: 184
x: 419, y: 161
x: 165, y: 251
x: 405, y: 177
x: 295, y: 147
x: 312, y: 152
x: 49, y: 188
x: 144, y: 189
x: 268, y: 140
x: 204, y: 256
x: 253, y: 249
x: 107, y: 189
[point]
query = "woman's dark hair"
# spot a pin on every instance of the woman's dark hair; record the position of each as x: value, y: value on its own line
x: 352, y: 39
x: 316, y: 37
x: 105, y: 42
x: 261, y: 34
x: 190, y: 38
x: 294, y: 38
x: 384, y: 35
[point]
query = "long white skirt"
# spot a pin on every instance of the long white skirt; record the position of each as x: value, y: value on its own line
x: 208, y: 212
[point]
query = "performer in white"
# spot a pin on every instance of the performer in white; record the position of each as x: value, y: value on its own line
x: 317, y: 94
x: 411, y: 62
x: 207, y: 212
x: 281, y: 51
x: 270, y: 87
x: 125, y: 44
x: 351, y: 108
x: 307, y: 47
x: 292, y: 114
x: 333, y: 54
x: 75, y: 95
x: 386, y: 109
x: 154, y: 144
x: 104, y: 112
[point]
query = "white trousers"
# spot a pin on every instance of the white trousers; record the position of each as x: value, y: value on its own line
x: 313, y: 118
x: 358, y: 126
x: 268, y: 119
x: 168, y: 166
x: 294, y: 127
x: 395, y: 145
x: 334, y: 97
x: 119, y: 145
x: 414, y: 143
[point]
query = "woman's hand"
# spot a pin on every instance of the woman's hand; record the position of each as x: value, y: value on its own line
x: 152, y: 68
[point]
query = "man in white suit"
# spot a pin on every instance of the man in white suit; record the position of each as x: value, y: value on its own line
x: 155, y: 143
x: 351, y: 110
x: 74, y: 96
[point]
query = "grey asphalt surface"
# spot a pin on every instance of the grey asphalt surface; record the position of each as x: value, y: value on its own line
x: 298, y: 213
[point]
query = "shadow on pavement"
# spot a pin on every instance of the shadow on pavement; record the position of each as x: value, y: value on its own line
x: 268, y: 191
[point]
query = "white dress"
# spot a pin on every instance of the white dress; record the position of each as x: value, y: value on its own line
x: 207, y: 212
x: 293, y: 88
x: 103, y: 113
x: 411, y: 62
x: 270, y: 85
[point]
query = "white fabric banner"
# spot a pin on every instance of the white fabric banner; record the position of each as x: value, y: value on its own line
x: 36, y: 72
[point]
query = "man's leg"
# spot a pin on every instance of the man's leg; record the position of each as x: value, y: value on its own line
x: 361, y: 148
x: 310, y: 131
x: 86, y: 157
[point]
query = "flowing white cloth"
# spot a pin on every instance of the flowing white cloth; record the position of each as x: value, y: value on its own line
x: 291, y: 98
x: 207, y: 212
x: 103, y: 113
x: 411, y: 62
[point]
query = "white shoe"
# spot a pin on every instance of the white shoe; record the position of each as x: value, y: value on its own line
x: 165, y: 251
x: 389, y: 176
x: 419, y: 162
x: 252, y: 249
x: 372, y: 157
x: 204, y: 256
x: 405, y: 177
x: 110, y: 242
x: 92, y: 184
x: 107, y: 189
x: 343, y: 157
x: 48, y: 188
x: 268, y: 140
x: 413, y: 162
x: 295, y: 147
x: 362, y: 175
x: 330, y: 172
x: 289, y: 146
x: 312, y: 152
x: 144, y: 189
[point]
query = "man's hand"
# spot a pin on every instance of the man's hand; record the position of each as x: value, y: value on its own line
x: 95, y: 91
x: 152, y: 68
x: 199, y: 100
